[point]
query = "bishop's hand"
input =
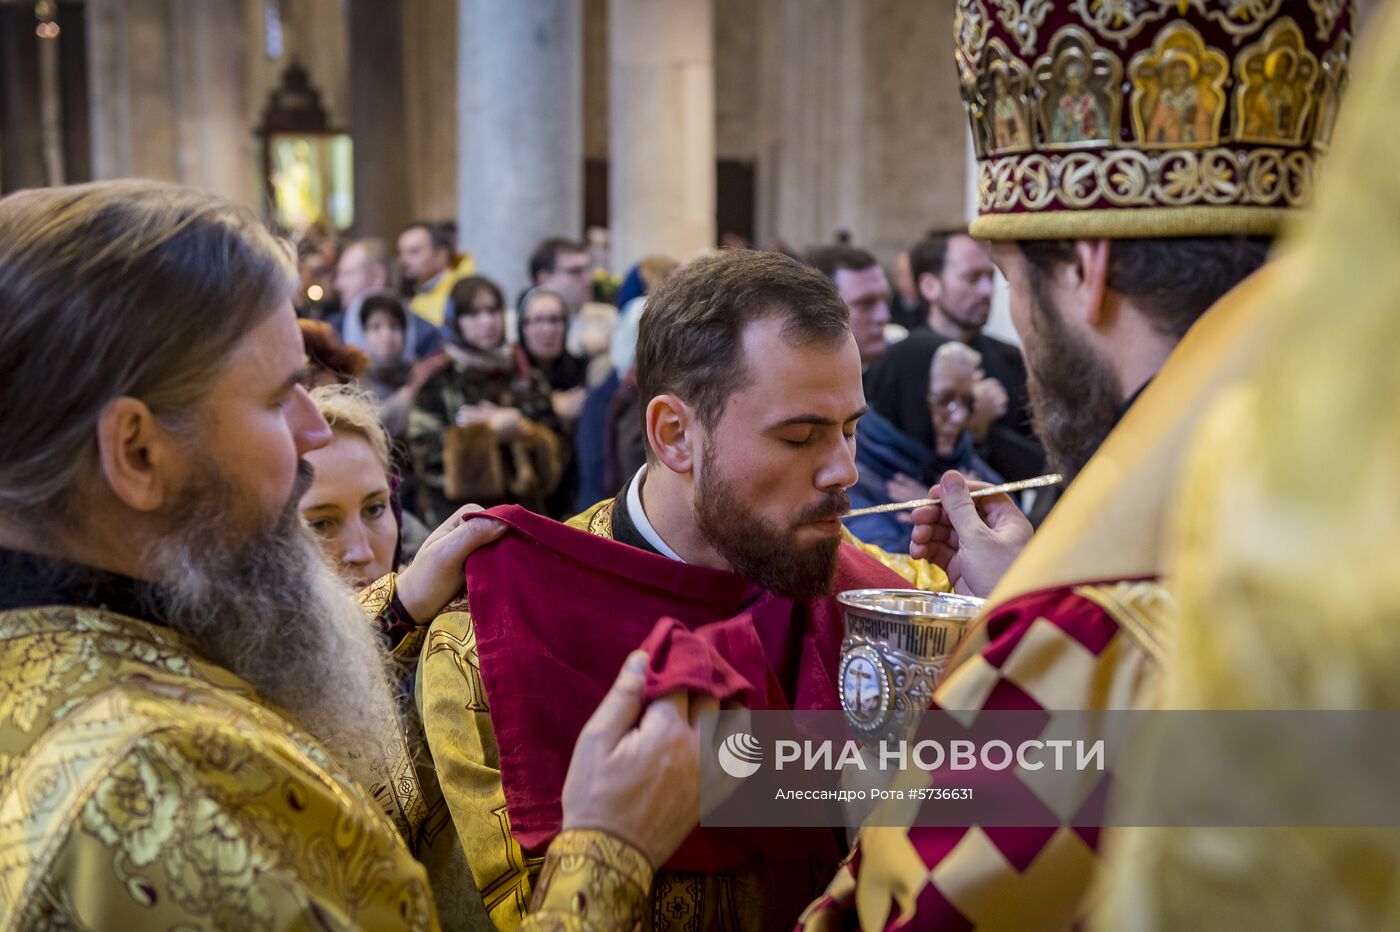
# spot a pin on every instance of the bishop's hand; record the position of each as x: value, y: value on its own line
x: 974, y: 541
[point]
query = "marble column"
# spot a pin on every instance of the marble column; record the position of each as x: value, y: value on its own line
x: 810, y: 115
x: 430, y: 106
x: 661, y: 186
x: 217, y: 150
x: 168, y: 93
x: 377, y: 118
x: 860, y: 127
x: 519, y: 131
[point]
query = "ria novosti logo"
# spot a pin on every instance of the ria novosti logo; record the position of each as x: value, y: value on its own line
x: 740, y: 755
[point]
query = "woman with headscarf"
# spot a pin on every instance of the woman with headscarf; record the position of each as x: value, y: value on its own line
x: 484, y: 429
x: 543, y: 324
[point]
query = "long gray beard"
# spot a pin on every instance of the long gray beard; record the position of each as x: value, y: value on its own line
x: 265, y: 605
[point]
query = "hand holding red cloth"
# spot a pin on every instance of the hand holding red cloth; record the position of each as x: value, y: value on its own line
x: 557, y: 610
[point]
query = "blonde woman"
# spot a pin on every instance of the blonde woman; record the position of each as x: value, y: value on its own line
x: 350, y: 506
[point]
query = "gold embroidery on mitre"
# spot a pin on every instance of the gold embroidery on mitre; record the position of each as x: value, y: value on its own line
x: 1243, y: 18
x: 1023, y: 19
x: 1120, y: 20
x: 970, y: 26
x: 971, y: 23
x: 1178, y: 97
x: 1274, y: 90
x: 1334, y: 82
x: 1004, y: 98
x: 1131, y: 178
x: 1077, y: 85
x: 1327, y: 12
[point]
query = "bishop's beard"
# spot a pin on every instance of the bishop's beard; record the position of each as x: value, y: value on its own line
x: 264, y: 603
x: 1074, y: 396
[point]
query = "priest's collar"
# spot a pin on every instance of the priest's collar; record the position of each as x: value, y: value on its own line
x: 29, y: 580
x: 637, y: 518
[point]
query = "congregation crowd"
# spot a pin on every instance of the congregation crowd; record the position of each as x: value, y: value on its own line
x: 267, y: 662
x: 534, y: 401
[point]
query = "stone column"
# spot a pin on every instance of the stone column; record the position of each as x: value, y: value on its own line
x: 811, y: 112
x: 661, y: 187
x: 377, y: 124
x: 208, y: 56
x: 860, y: 124
x: 168, y: 93
x: 519, y: 131
x: 430, y: 107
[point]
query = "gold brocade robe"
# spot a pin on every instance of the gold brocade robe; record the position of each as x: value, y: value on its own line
x: 147, y: 788
x: 1284, y: 555
x: 463, y: 744
x: 144, y: 787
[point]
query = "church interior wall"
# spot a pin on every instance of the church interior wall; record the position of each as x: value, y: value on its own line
x: 841, y: 112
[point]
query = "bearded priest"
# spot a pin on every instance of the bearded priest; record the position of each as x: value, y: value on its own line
x: 1136, y: 296
x: 751, y: 387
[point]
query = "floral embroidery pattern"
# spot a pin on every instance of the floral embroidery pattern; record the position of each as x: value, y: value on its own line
x: 206, y: 808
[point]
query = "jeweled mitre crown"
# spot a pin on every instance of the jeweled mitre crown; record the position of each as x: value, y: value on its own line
x: 1131, y: 118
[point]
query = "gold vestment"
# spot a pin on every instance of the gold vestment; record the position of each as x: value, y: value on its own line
x: 463, y: 744
x: 147, y: 788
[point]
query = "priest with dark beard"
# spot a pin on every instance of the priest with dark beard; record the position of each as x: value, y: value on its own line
x: 751, y: 381
x: 1133, y: 319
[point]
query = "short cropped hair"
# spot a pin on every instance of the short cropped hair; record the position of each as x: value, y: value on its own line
x: 1172, y: 280
x: 955, y: 352
x: 928, y: 254
x: 690, y: 340
x: 440, y: 236
x: 831, y: 259
x: 545, y: 258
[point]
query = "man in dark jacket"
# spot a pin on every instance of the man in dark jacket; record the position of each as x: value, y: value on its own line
x: 955, y: 275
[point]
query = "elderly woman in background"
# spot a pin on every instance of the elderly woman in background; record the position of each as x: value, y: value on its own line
x: 894, y: 466
x: 953, y: 377
x: 483, y: 429
x: 543, y: 322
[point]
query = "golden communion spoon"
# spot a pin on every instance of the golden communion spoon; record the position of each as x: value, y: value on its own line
x: 1039, y: 482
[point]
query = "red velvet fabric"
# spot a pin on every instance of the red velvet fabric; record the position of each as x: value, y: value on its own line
x: 723, y: 659
x: 557, y: 610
